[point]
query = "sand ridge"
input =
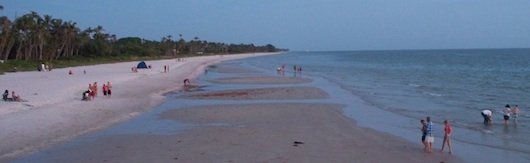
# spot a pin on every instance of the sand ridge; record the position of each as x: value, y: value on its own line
x: 275, y: 93
x: 262, y: 80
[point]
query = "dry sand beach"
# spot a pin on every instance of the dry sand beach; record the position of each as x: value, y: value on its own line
x: 54, y: 111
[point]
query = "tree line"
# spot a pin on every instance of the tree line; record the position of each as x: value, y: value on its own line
x: 44, y: 38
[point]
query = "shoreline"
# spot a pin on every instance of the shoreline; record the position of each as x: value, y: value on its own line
x: 55, y: 113
x: 248, y: 127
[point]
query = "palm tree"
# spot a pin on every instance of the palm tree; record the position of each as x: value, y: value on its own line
x: 7, y: 37
x: 193, y: 44
x: 98, y: 33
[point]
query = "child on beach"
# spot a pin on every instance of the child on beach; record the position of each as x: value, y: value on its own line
x: 14, y: 96
x: 5, y: 96
x: 515, y: 113
x: 430, y: 137
x: 86, y: 95
x: 447, y: 137
x: 187, y: 82
x: 423, y: 134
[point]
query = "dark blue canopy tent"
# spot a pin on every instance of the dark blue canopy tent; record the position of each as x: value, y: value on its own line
x: 141, y: 65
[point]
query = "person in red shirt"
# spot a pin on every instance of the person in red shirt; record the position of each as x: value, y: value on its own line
x: 109, y: 88
x: 447, y: 136
x: 105, y: 89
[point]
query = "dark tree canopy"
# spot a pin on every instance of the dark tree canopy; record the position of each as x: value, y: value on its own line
x: 43, y: 38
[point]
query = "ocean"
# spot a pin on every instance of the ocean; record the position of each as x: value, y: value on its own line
x: 390, y: 91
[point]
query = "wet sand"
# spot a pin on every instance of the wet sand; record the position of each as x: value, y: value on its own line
x: 304, y: 131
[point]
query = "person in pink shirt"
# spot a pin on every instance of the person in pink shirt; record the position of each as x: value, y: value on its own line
x: 515, y: 113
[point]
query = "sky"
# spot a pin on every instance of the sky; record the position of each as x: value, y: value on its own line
x: 312, y: 25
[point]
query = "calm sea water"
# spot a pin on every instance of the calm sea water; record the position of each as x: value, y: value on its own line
x: 391, y: 90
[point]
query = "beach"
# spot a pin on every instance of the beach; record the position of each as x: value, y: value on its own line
x: 262, y: 118
x: 53, y: 112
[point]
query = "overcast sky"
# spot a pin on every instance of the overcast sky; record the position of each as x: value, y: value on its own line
x: 304, y: 24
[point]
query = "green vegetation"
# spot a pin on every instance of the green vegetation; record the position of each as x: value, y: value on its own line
x: 33, y: 39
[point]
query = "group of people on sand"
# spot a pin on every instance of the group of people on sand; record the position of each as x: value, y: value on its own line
x: 92, y: 91
x: 70, y: 72
x: 508, y: 112
x: 13, y: 97
x: 427, y: 137
x: 44, y: 67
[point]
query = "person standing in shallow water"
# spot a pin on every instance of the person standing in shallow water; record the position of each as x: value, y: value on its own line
x: 486, y: 114
x: 430, y: 137
x: 507, y: 111
x: 515, y: 113
x: 447, y: 136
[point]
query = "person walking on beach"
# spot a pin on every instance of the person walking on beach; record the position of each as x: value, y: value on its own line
x: 447, y: 137
x: 430, y: 137
x: 507, y: 111
x: 486, y: 114
x: 423, y: 134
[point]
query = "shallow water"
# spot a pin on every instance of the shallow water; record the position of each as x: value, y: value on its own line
x: 391, y: 90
